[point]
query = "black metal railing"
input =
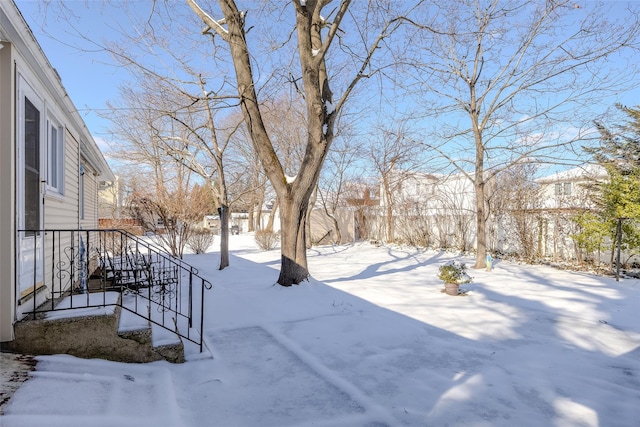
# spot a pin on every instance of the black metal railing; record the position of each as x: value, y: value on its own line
x: 84, y: 268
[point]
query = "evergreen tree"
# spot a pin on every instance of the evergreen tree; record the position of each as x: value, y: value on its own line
x: 620, y: 147
x: 619, y: 196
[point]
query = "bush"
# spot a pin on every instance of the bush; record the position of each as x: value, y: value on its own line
x: 453, y: 272
x: 200, y: 240
x: 267, y: 239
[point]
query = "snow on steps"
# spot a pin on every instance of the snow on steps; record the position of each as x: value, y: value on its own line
x: 107, y: 332
x: 138, y: 328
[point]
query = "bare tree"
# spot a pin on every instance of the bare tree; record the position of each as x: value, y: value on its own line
x: 286, y: 124
x: 340, y: 169
x: 182, y: 123
x: 513, y: 81
x: 394, y: 156
x: 517, y: 197
x: 172, y: 215
x: 316, y: 32
x: 455, y: 212
x: 165, y: 200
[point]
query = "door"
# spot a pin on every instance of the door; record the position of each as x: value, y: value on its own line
x: 29, y: 196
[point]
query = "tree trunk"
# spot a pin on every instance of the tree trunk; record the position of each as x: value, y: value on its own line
x: 338, y: 237
x: 293, y: 268
x: 292, y: 195
x: 478, y: 183
x: 389, y: 208
x: 272, y: 216
x: 307, y: 221
x: 481, y: 239
x: 259, y: 203
x: 223, y: 211
x: 252, y: 218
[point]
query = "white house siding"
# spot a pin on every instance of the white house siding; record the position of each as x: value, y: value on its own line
x: 429, y: 209
x: 7, y: 185
x: 110, y: 194
x: 564, y: 195
x: 90, y: 219
x: 23, y: 65
x: 61, y: 211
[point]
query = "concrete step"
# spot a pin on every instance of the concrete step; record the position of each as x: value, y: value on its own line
x: 107, y: 332
x: 162, y: 340
x: 132, y: 326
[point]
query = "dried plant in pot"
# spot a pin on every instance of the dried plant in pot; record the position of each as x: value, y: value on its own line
x: 453, y: 274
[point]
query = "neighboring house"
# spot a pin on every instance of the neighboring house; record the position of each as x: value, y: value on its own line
x: 110, y: 199
x: 238, y: 222
x: 112, y: 210
x: 212, y: 222
x: 563, y: 195
x: 567, y: 190
x: 51, y: 167
x: 442, y: 207
x: 439, y: 207
x: 436, y: 192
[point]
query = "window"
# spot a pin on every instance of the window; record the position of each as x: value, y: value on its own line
x: 31, y: 166
x: 563, y: 189
x: 55, y: 156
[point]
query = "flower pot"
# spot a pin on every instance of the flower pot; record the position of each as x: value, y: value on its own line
x: 451, y: 288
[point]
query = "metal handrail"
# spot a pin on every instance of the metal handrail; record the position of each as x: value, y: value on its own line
x: 83, y: 263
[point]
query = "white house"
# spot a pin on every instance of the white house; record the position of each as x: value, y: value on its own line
x: 443, y: 207
x: 563, y: 194
x: 566, y: 189
x: 49, y: 163
x: 436, y: 205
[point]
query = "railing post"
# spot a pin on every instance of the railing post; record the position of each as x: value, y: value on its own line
x: 35, y: 270
x: 190, y: 297
x: 53, y: 267
x: 202, y: 287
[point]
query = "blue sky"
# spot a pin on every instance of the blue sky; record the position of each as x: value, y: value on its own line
x: 89, y: 76
x: 88, y: 73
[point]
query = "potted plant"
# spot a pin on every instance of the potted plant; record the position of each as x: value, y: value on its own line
x: 453, y: 274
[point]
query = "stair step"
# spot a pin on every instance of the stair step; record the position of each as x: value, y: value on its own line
x: 81, y: 306
x: 105, y: 331
x: 129, y: 321
x: 163, y: 337
x: 131, y: 326
x: 167, y: 343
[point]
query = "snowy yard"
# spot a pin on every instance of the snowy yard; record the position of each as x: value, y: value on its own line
x: 370, y: 341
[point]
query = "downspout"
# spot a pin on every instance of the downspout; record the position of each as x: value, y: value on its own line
x: 78, y: 168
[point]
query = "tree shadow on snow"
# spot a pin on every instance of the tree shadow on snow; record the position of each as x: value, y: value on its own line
x: 540, y: 368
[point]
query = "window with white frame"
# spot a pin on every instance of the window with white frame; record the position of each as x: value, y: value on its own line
x: 55, y: 155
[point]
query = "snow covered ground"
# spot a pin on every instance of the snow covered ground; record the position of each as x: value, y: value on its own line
x: 370, y: 341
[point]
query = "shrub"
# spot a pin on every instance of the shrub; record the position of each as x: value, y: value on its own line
x: 453, y: 272
x: 267, y: 239
x: 200, y: 240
